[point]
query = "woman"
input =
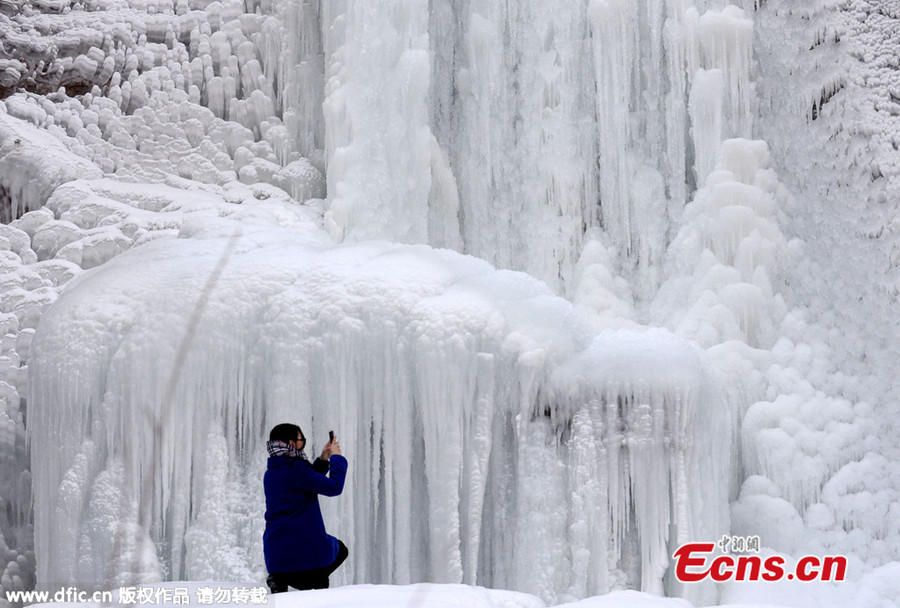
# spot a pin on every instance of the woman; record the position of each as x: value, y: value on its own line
x: 298, y: 552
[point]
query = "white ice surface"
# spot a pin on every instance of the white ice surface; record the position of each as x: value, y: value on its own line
x: 536, y: 109
x: 435, y: 368
x: 422, y: 595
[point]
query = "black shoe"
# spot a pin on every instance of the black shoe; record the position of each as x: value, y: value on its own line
x: 274, y: 586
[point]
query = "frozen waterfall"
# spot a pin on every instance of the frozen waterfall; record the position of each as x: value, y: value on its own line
x: 541, y: 108
x: 490, y: 435
x: 525, y: 258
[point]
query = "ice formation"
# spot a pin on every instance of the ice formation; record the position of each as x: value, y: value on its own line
x: 563, y: 147
x: 468, y: 398
x: 209, y: 156
x: 34, y: 164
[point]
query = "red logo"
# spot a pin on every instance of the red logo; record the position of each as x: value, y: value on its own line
x: 695, y: 562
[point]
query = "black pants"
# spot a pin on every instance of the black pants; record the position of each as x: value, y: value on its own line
x: 317, y: 578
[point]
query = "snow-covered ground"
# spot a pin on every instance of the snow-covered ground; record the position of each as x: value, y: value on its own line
x: 576, y: 284
x: 422, y: 595
x: 429, y: 595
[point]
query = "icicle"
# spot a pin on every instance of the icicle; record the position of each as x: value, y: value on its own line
x: 614, y: 48
x: 706, y: 120
x: 437, y: 372
x: 727, y: 40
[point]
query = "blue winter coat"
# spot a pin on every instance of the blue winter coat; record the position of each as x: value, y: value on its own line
x: 295, y: 537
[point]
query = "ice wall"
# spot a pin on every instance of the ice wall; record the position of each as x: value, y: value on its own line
x: 545, y: 119
x: 561, y: 138
x: 834, y: 408
x: 490, y: 434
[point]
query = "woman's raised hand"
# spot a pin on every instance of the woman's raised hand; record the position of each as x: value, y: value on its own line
x: 331, y: 448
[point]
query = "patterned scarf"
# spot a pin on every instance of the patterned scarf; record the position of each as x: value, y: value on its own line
x: 280, y: 448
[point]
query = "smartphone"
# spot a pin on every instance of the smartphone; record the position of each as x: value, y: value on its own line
x: 330, y: 436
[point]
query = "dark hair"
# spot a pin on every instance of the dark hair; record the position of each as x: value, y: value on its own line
x: 285, y: 432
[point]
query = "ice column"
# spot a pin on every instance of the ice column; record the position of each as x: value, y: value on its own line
x: 613, y: 25
x: 643, y: 57
x: 378, y: 140
x: 16, y: 565
x: 722, y: 93
x: 303, y: 76
x: 644, y: 474
x: 724, y: 268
